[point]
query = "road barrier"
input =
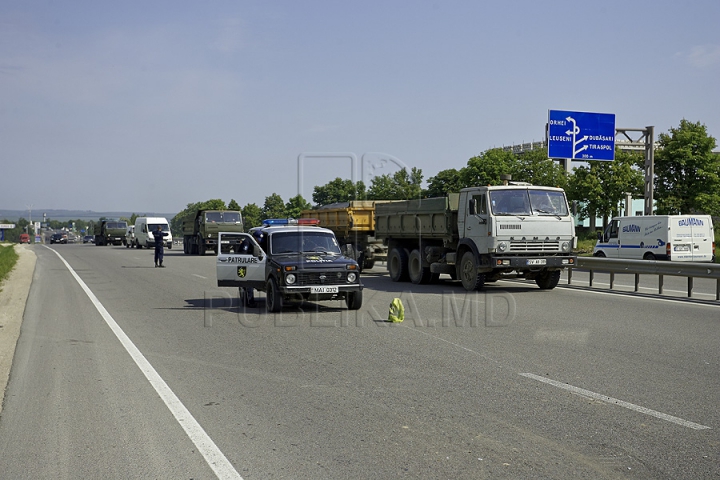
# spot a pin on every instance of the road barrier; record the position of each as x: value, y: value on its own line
x: 649, y: 267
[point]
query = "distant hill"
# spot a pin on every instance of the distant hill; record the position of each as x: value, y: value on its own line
x: 64, y: 215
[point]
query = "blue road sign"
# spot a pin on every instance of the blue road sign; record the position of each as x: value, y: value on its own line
x: 581, y: 135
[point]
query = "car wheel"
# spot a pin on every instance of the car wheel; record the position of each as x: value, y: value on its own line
x: 353, y: 300
x: 273, y: 300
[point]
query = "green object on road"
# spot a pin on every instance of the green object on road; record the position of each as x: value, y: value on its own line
x: 397, y: 311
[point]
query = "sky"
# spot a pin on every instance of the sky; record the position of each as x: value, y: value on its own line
x: 149, y: 106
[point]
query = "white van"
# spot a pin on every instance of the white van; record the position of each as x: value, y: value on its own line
x: 144, y: 226
x: 679, y: 238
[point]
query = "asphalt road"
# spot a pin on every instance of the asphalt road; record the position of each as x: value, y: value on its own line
x: 175, y: 380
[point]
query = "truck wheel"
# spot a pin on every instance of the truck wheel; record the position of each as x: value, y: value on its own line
x: 418, y: 274
x: 273, y: 297
x: 353, y: 300
x: 397, y: 264
x: 368, y: 264
x: 469, y: 276
x: 201, y: 246
x: 548, y: 280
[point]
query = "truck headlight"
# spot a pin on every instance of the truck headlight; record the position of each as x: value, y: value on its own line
x: 565, y: 246
x: 290, y: 278
x: 352, y: 276
x: 502, y: 246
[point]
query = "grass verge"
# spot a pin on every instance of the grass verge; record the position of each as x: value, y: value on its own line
x: 8, y: 259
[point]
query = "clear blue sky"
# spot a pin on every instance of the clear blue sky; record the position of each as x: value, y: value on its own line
x: 148, y: 106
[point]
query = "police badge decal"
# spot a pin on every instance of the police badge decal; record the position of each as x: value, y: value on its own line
x: 242, y: 271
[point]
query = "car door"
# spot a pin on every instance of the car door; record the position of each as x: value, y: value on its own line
x: 238, y: 268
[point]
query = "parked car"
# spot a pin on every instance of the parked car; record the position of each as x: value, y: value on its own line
x: 88, y: 239
x: 58, y: 237
x: 24, y: 238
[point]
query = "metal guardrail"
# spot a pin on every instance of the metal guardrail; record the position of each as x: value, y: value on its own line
x: 649, y: 267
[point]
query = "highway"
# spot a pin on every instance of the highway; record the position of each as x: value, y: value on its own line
x: 158, y: 373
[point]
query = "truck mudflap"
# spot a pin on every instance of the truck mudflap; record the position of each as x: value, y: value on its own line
x: 523, y: 263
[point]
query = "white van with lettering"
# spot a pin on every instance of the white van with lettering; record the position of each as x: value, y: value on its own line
x: 144, y: 226
x: 678, y: 238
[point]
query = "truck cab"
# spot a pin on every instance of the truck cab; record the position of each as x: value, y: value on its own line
x: 294, y: 260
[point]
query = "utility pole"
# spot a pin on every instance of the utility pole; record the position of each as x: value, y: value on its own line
x: 29, y: 207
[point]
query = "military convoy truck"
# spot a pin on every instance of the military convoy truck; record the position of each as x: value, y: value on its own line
x: 480, y: 235
x: 353, y: 223
x: 110, y: 232
x: 200, y: 233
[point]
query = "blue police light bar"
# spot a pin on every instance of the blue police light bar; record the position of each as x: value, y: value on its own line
x: 268, y: 222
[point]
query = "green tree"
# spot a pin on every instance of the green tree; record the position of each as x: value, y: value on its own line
x: 446, y: 181
x: 536, y: 168
x: 338, y: 190
x: 687, y: 172
x: 295, y: 206
x: 233, y: 205
x: 274, y: 207
x: 486, y: 168
x: 134, y: 217
x: 600, y: 186
x: 401, y: 185
x: 252, y: 216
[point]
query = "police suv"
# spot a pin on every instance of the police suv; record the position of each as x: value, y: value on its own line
x: 289, y: 260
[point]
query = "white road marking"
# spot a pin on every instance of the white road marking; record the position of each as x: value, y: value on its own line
x: 196, y: 275
x: 615, y: 401
x: 205, y: 445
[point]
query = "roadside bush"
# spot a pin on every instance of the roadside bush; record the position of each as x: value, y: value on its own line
x: 8, y: 259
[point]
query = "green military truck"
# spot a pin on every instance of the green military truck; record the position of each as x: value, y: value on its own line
x: 110, y: 232
x: 200, y: 233
x: 482, y: 234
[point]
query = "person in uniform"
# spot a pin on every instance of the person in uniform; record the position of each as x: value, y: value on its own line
x: 159, y: 236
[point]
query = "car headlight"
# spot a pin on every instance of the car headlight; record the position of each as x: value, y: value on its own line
x: 352, y: 276
x: 290, y: 278
x: 566, y: 246
x: 502, y: 246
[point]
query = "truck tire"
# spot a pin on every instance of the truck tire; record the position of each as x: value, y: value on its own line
x: 273, y: 297
x: 468, y: 272
x: 185, y: 246
x: 416, y: 272
x: 397, y: 264
x: 368, y: 264
x: 201, y: 246
x: 548, y: 280
x: 353, y: 300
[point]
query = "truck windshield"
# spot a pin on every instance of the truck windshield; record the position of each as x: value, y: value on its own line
x: 528, y: 202
x: 122, y: 225
x: 298, y: 242
x: 222, y: 217
x: 548, y: 202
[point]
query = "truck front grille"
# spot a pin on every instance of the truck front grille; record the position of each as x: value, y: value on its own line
x: 534, y: 246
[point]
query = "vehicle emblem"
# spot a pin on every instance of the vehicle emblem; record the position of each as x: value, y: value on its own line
x: 242, y: 271
x: 322, y: 278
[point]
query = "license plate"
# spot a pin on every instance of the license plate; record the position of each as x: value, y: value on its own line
x: 536, y: 261
x: 324, y: 289
x: 682, y: 248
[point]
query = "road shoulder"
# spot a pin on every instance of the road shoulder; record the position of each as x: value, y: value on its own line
x: 14, y: 294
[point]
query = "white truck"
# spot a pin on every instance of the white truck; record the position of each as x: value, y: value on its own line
x: 482, y: 234
x: 678, y: 238
x: 144, y: 226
